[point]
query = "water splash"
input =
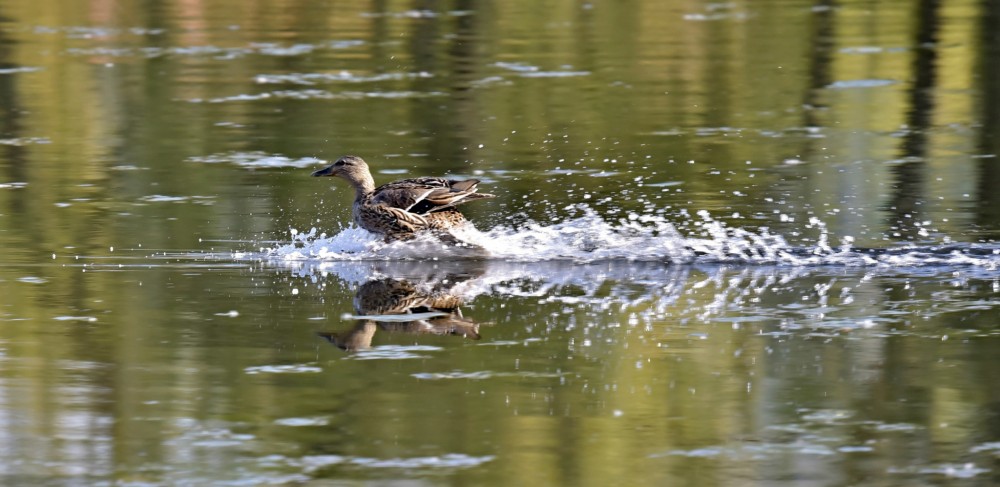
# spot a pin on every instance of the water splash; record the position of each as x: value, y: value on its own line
x: 588, y: 238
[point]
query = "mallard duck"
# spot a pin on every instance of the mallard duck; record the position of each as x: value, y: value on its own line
x: 400, y: 209
x: 381, y: 299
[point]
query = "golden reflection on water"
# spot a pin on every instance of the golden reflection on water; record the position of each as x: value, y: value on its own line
x: 113, y: 82
x: 697, y: 374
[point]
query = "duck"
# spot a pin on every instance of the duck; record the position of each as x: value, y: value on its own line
x: 402, y: 209
x: 404, y: 307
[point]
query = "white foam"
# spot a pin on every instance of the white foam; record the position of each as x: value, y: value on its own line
x: 589, y: 238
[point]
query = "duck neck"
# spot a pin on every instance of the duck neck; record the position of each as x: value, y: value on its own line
x: 363, y: 187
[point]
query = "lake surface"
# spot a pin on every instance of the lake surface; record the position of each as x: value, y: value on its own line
x: 747, y: 243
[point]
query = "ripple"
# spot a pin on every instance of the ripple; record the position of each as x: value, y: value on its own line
x: 450, y: 460
x: 714, y: 17
x: 827, y: 415
x: 198, y: 434
x: 283, y: 369
x: 517, y: 67
x: 23, y: 69
x: 312, y: 463
x: 554, y: 74
x: 161, y: 198
x: 481, y: 375
x: 695, y: 453
x: 270, y: 49
x: 860, y: 83
x: 417, y: 14
x: 895, y: 427
x: 530, y: 71
x: 871, y: 50
x: 76, y: 318
x: 320, y: 421
x: 958, y: 471
x: 992, y: 446
x: 257, y: 160
x: 394, y: 352
x: 217, y: 52
x: 22, y: 141
x: 340, y: 76
x: 855, y: 449
x: 319, y: 95
x: 91, y: 32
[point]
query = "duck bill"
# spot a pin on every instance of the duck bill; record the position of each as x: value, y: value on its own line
x: 326, y: 171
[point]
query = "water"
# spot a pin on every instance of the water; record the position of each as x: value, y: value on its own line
x: 733, y: 243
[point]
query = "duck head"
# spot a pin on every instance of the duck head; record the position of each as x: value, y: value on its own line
x: 354, y: 170
x: 347, y: 167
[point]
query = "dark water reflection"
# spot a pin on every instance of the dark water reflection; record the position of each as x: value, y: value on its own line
x: 684, y: 374
x: 400, y: 305
x: 154, y: 156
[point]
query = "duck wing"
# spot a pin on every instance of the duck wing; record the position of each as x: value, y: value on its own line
x: 388, y: 220
x: 426, y: 195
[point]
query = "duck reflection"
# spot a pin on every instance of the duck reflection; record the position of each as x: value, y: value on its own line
x: 400, y: 306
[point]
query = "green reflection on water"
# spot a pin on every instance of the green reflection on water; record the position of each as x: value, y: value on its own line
x: 709, y: 375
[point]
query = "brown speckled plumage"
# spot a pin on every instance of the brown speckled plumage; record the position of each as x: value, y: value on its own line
x: 400, y: 209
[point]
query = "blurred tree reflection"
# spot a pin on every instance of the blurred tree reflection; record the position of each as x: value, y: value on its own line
x: 988, y: 209
x: 909, y: 190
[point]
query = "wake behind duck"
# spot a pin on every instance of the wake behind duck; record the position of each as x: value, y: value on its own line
x: 589, y: 237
